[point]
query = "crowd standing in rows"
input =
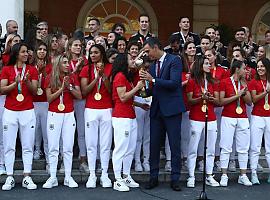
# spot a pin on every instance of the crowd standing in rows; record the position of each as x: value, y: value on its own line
x: 125, y: 98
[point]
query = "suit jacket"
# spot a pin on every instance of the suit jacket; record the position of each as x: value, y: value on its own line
x: 167, y: 90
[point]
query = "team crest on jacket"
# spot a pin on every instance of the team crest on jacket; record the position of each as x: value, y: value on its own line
x: 5, y: 127
x: 126, y: 133
x: 51, y: 126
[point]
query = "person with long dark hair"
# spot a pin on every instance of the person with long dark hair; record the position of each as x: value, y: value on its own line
x: 96, y: 86
x: 234, y: 96
x: 19, y: 84
x: 202, y: 93
x: 260, y: 118
x: 124, y: 121
x: 62, y: 87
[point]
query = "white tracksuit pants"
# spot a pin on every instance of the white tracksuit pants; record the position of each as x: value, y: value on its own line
x: 98, y: 129
x: 238, y: 128
x: 143, y: 135
x: 60, y: 124
x: 41, y: 112
x: 79, y: 107
x: 125, y: 137
x: 260, y: 126
x: 24, y: 121
x: 2, y: 102
x: 197, y: 130
x: 218, y: 112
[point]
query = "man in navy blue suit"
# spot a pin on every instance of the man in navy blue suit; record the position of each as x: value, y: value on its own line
x: 166, y: 108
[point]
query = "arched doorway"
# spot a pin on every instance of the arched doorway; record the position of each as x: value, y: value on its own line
x: 261, y: 23
x: 112, y: 11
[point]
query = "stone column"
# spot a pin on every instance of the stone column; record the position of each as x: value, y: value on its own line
x: 12, y: 9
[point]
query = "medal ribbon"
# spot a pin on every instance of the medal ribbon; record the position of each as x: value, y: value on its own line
x: 99, y: 80
x: 266, y: 96
x: 72, y: 66
x: 204, y: 89
x: 61, y: 98
x: 214, y: 72
x: 236, y: 90
x: 22, y: 76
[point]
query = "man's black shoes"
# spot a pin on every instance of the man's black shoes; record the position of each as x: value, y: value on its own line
x: 151, y: 184
x: 175, y: 185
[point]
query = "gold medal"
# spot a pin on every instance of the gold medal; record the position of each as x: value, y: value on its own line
x: 20, y: 97
x: 239, y: 110
x: 39, y: 91
x: 204, y: 107
x: 61, y: 107
x: 97, y: 96
x: 266, y: 106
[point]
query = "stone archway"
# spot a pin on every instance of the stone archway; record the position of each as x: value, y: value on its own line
x: 259, y: 25
x: 109, y: 11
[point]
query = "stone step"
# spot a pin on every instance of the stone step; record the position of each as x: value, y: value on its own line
x: 40, y: 176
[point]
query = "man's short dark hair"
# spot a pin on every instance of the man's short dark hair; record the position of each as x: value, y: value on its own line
x: 240, y: 30
x: 174, y: 38
x: 152, y: 41
x: 183, y: 18
x: 206, y: 37
x: 143, y: 15
x: 95, y: 19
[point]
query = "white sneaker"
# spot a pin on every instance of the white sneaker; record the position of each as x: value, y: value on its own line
x: 217, y: 166
x: 168, y: 166
x: 105, y: 182
x: 243, y: 179
x: 91, y: 182
x: 37, y: 154
x: 211, y: 181
x: 2, y: 170
x: 138, y: 167
x: 50, y: 183
x: 62, y: 168
x: 232, y: 166
x: 146, y: 166
x: 84, y: 168
x: 9, y: 184
x: 28, y: 183
x: 259, y: 168
x: 224, y: 180
x: 70, y: 183
x: 254, y: 179
x: 120, y: 186
x: 200, y: 168
x: 191, y: 182
x: 130, y: 182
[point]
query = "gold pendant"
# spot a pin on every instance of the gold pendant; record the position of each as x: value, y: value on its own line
x: 20, y: 97
x: 239, y: 110
x: 39, y: 91
x: 266, y: 106
x: 204, y: 107
x: 97, y: 96
x: 61, y: 107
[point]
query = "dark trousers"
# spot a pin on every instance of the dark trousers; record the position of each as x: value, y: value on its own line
x: 159, y: 126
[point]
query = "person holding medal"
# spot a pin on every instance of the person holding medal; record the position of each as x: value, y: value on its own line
x: 124, y: 121
x: 62, y: 87
x: 202, y: 94
x: 77, y: 62
x: 234, y: 96
x: 40, y: 101
x: 19, y: 84
x: 260, y: 118
x: 96, y: 86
